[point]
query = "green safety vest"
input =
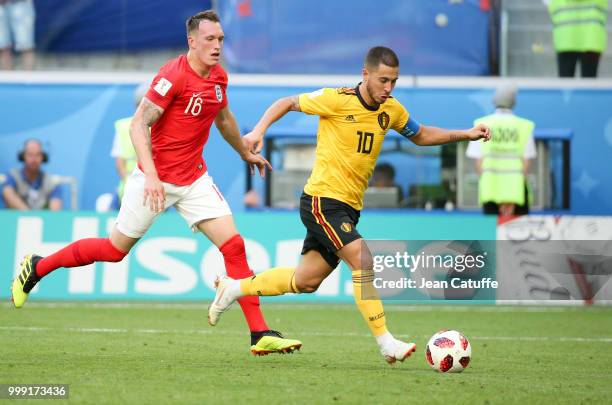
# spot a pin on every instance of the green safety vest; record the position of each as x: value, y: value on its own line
x: 128, y: 154
x: 579, y: 25
x: 502, y: 179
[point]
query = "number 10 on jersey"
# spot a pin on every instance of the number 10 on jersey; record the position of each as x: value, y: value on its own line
x: 364, y: 145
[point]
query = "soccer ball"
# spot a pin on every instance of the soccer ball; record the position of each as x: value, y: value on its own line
x: 448, y: 351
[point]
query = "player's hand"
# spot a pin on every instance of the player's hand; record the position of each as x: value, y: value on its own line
x: 154, y: 193
x: 253, y: 159
x: 480, y: 131
x: 253, y: 141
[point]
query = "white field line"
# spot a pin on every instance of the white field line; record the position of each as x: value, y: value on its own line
x: 301, y: 333
x: 196, y: 306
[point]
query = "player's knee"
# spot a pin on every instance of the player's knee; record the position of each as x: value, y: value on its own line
x: 116, y: 257
x: 112, y: 253
x: 308, y: 286
x: 307, y: 289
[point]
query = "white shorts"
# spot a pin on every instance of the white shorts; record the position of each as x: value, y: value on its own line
x: 199, y: 201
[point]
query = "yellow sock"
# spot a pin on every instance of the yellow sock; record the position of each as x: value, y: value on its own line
x: 368, y: 301
x: 275, y: 281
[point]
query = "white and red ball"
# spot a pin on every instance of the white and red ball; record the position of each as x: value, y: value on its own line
x: 448, y: 351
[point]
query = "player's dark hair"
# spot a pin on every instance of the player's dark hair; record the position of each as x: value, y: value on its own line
x: 193, y: 22
x: 381, y: 54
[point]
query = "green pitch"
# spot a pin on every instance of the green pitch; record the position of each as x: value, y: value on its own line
x: 153, y: 353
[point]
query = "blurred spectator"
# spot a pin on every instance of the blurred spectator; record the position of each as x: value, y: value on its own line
x: 384, y: 177
x: 503, y: 162
x: 579, y: 34
x: 17, y: 32
x: 123, y: 151
x: 29, y: 188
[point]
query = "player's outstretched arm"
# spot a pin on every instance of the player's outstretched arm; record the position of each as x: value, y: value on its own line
x: 429, y: 136
x: 140, y: 134
x: 276, y: 111
x: 228, y: 126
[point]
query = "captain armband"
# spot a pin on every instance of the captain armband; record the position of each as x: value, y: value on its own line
x: 411, y: 128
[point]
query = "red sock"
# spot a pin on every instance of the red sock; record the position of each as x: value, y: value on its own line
x: 237, y: 267
x: 80, y: 253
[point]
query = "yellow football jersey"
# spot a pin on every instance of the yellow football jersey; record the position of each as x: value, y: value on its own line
x: 349, y: 140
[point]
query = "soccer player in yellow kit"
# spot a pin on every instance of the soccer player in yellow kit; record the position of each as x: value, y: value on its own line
x: 352, y: 126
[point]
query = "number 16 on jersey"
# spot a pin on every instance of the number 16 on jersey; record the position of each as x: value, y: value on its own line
x: 195, y: 105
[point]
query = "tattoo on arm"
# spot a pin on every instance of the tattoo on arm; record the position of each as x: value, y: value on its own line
x: 150, y: 112
x: 455, y: 137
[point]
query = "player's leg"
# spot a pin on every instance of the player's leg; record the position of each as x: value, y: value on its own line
x: 223, y: 234
x: 205, y: 210
x: 133, y: 221
x: 305, y: 278
x: 79, y: 253
x: 312, y: 270
x: 334, y: 225
x: 358, y: 257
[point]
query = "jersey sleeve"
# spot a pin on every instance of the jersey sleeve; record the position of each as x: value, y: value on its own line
x: 321, y: 102
x: 404, y: 124
x: 166, y: 86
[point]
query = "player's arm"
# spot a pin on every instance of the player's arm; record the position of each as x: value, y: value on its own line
x: 140, y: 134
x: 228, y: 126
x: 429, y: 136
x: 13, y: 200
x: 276, y: 111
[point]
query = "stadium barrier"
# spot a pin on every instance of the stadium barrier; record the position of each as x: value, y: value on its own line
x: 173, y: 264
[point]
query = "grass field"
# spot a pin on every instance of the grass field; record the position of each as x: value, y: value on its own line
x: 155, y: 353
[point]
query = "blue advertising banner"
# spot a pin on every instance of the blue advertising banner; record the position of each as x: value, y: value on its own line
x: 172, y: 263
